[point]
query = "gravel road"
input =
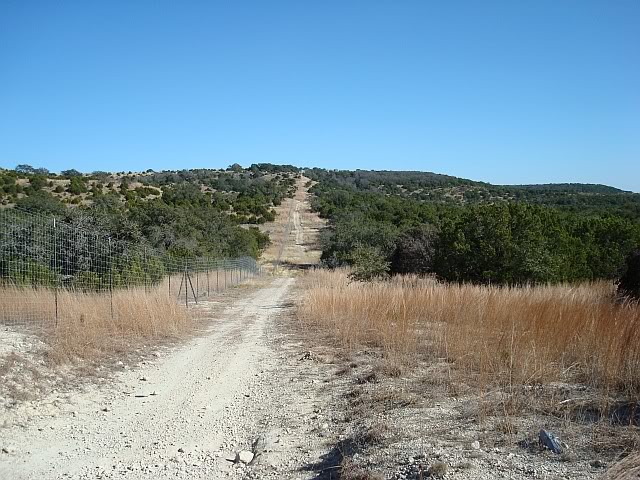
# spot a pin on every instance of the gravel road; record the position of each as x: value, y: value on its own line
x: 184, y: 415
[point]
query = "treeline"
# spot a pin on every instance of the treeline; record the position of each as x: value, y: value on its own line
x: 505, y: 242
x: 442, y: 189
x: 387, y: 181
x: 188, y: 229
x: 249, y: 193
x: 171, y: 212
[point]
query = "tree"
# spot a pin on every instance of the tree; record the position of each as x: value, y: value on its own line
x: 77, y: 186
x: 37, y: 182
x: 415, y: 251
x: 25, y: 169
x: 629, y: 283
x: 124, y: 187
x: 71, y: 173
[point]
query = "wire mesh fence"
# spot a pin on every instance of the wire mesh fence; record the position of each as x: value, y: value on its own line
x: 43, y: 261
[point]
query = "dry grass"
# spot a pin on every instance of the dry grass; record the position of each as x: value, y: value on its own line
x: 85, y: 327
x: 516, y: 337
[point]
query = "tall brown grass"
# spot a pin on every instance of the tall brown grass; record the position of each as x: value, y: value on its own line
x: 509, y: 335
x: 86, y: 327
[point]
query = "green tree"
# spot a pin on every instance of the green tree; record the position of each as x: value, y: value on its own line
x: 77, y: 186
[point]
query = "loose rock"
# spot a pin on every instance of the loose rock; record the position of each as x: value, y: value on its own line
x: 437, y: 470
x: 550, y: 441
x: 244, y: 456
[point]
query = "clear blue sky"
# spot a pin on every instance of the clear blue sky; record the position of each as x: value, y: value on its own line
x: 506, y: 92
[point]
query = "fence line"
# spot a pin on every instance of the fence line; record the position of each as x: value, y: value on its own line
x: 42, y: 258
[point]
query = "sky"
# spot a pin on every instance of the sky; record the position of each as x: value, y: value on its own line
x: 498, y: 91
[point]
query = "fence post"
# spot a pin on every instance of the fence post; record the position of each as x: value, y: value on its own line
x: 187, y: 281
x: 55, y: 266
x: 186, y: 291
x: 144, y: 267
x: 110, y: 279
x: 208, y: 286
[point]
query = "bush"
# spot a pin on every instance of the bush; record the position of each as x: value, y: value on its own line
x: 37, y: 182
x: 415, y: 251
x: 368, y: 264
x: 629, y: 283
x: 77, y: 186
x: 42, y: 202
x: 27, y: 272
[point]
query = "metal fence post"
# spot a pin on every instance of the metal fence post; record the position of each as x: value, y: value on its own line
x: 144, y: 267
x: 186, y: 290
x: 55, y: 266
x: 110, y: 279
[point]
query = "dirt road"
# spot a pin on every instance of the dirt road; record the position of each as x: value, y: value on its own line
x: 295, y: 232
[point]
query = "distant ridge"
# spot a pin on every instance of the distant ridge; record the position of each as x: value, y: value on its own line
x: 569, y: 187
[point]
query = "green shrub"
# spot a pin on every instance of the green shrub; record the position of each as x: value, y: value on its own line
x: 368, y: 264
x: 77, y: 186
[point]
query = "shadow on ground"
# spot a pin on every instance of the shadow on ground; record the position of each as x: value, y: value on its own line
x: 328, y: 467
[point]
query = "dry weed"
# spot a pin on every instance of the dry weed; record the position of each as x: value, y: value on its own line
x: 510, y: 337
x: 85, y: 327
